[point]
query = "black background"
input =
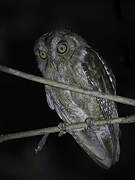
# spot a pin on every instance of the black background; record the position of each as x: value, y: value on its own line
x: 108, y: 26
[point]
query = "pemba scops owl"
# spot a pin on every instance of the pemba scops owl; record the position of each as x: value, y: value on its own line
x: 66, y: 57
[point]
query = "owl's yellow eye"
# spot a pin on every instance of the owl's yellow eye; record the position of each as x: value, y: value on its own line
x: 42, y: 55
x: 62, y: 48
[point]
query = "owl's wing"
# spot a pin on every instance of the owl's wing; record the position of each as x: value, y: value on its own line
x: 101, y: 79
x: 99, y: 75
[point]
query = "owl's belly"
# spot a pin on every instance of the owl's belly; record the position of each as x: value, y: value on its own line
x: 100, y: 143
x: 76, y: 104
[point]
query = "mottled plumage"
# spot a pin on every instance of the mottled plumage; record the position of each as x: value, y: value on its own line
x: 65, y: 57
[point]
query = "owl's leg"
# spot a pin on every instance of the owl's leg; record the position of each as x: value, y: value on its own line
x: 62, y: 128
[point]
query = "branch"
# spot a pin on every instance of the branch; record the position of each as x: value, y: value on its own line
x: 69, y: 127
x: 67, y: 87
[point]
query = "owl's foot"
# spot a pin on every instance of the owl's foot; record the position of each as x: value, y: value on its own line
x: 62, y: 128
x: 90, y: 123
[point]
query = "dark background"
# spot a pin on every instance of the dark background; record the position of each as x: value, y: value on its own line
x: 108, y: 26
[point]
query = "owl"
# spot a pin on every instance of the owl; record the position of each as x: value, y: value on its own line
x: 64, y: 56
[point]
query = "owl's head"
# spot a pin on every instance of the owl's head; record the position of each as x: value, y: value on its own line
x: 57, y: 47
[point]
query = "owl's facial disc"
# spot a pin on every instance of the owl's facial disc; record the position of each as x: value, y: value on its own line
x: 56, y: 47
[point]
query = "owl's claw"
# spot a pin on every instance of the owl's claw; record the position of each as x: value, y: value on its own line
x: 90, y: 123
x: 62, y: 128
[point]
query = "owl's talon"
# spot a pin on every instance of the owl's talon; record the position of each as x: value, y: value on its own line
x: 62, y: 128
x: 90, y: 123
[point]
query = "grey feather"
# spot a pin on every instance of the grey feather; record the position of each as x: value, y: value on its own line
x: 70, y: 60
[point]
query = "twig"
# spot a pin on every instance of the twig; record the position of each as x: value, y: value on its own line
x: 69, y: 127
x: 81, y: 125
x: 67, y: 87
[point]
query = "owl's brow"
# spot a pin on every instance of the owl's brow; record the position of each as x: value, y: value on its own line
x: 75, y: 40
x: 46, y: 35
x: 61, y: 41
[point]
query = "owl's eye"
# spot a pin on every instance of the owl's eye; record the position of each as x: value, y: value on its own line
x: 42, y: 55
x: 62, y: 48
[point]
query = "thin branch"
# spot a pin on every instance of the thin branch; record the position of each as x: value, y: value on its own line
x: 67, y: 87
x: 69, y: 127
